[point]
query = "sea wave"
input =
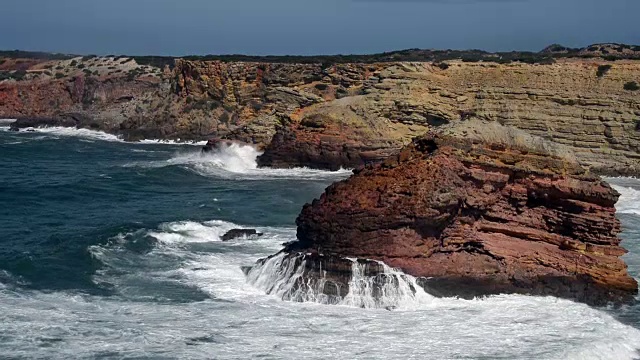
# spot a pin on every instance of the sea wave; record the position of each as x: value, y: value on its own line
x: 186, y: 253
x: 236, y: 161
x: 629, y: 189
x: 284, y: 277
x: 59, y: 131
x: 629, y: 201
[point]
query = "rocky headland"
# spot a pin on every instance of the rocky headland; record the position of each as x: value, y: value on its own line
x: 342, y: 111
x: 495, y: 211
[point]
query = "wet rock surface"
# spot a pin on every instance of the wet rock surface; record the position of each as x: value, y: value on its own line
x: 239, y: 233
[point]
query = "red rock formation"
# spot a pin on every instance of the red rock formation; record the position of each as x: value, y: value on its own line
x: 322, y: 145
x: 477, y: 218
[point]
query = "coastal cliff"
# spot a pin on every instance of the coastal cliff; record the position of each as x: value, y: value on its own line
x: 330, y: 114
x: 566, y: 102
x: 499, y: 211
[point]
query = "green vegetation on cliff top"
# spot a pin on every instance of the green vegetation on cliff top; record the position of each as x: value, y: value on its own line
x: 548, y: 55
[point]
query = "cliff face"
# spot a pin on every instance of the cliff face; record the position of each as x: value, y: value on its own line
x: 566, y: 102
x: 497, y: 212
x: 111, y: 94
x: 251, y: 99
x: 333, y: 115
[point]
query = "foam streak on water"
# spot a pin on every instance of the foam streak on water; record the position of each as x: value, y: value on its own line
x: 60, y: 131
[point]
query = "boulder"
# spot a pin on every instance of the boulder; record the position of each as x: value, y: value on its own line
x: 217, y: 144
x: 238, y: 233
x: 493, y: 211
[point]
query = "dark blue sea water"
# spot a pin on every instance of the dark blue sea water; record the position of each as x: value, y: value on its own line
x: 112, y: 250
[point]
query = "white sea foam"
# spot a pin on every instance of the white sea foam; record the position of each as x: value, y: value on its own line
x: 396, y: 290
x: 236, y: 161
x: 59, y: 131
x: 66, y: 325
x: 283, y: 277
x: 629, y: 201
x: 192, y: 232
x: 171, y: 142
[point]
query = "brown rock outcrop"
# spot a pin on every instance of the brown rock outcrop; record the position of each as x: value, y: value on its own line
x: 496, y: 212
x: 251, y: 99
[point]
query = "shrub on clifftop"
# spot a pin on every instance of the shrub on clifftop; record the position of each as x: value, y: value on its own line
x: 602, y: 70
x: 632, y: 86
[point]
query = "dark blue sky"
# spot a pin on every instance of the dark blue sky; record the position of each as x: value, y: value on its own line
x: 179, y: 27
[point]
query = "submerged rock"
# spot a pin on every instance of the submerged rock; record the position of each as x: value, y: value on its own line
x: 238, y: 233
x: 496, y: 211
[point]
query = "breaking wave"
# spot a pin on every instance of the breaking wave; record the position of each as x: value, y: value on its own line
x: 237, y: 161
x: 60, y: 131
x: 629, y: 201
x: 187, y: 257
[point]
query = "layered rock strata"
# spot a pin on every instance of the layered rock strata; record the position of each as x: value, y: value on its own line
x: 566, y: 102
x: 496, y: 212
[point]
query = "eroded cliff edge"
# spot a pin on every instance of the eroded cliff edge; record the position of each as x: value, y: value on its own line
x: 499, y: 211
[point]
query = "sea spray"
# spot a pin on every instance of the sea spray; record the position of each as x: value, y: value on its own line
x: 629, y: 201
x: 286, y: 277
x: 235, y: 158
x: 6, y: 122
x: 389, y: 289
x: 289, y: 277
x: 236, y: 162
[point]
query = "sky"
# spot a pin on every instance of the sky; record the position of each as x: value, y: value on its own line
x: 307, y: 27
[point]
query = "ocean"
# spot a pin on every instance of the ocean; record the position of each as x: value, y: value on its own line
x: 112, y: 250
